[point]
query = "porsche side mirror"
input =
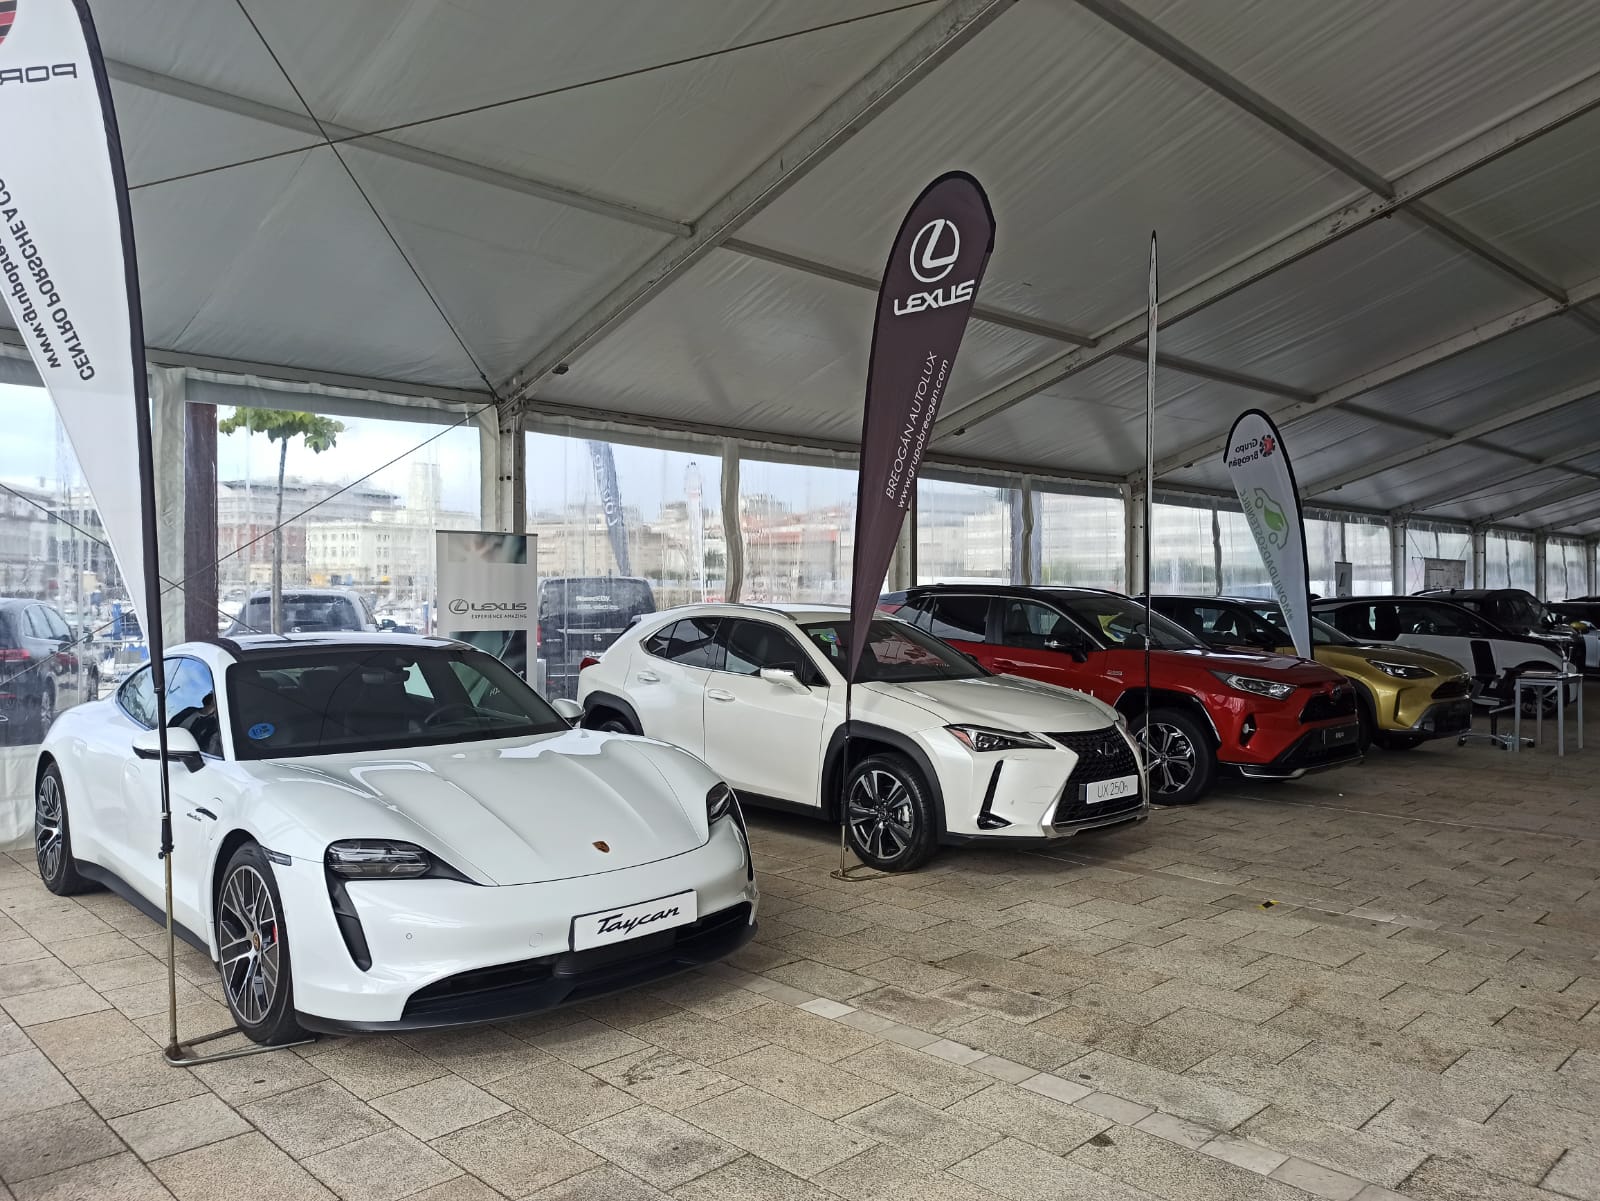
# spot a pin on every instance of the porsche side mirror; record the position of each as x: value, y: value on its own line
x: 783, y: 677
x: 568, y: 709
x: 181, y: 747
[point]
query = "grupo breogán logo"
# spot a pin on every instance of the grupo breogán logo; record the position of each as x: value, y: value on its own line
x: 929, y: 261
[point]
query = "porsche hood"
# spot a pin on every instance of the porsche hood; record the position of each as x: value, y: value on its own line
x: 512, y: 811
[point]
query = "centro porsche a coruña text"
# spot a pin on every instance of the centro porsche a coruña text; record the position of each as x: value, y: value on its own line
x: 387, y: 832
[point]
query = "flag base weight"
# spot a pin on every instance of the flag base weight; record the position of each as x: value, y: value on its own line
x: 184, y: 1055
x: 845, y: 869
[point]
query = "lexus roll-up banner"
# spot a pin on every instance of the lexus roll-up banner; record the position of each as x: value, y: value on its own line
x: 605, y: 479
x: 66, y: 258
x: 1258, y: 463
x: 928, y: 291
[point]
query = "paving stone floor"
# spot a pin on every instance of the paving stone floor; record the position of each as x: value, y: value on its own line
x: 1376, y: 983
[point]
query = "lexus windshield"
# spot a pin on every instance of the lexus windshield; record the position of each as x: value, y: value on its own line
x: 321, y: 701
x: 896, y: 653
x: 1118, y: 623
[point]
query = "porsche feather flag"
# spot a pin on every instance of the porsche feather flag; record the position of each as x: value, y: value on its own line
x: 928, y: 290
x: 66, y: 259
x: 1258, y: 463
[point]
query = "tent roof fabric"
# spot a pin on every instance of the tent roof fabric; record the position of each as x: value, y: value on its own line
x: 1377, y: 221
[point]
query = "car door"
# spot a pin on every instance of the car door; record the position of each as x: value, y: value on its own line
x: 191, y: 705
x: 71, y: 677
x: 1039, y: 642
x: 666, y: 681
x: 765, y: 736
x: 1440, y: 629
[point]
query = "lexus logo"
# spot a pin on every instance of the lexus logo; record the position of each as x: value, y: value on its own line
x: 8, y: 14
x: 934, y: 250
x: 459, y: 606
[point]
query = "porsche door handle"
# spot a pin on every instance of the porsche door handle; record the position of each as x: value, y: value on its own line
x: 719, y: 694
x: 647, y: 677
x: 201, y: 813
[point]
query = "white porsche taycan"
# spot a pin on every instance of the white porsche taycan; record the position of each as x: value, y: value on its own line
x: 392, y: 832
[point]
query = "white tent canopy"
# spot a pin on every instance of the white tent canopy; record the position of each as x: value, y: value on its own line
x: 1377, y: 221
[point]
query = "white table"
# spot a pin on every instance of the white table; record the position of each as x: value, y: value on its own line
x: 1538, y: 683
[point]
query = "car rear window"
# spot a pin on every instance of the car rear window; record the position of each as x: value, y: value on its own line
x: 304, y: 613
x: 595, y: 596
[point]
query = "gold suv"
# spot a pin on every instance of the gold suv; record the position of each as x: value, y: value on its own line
x: 1405, y: 696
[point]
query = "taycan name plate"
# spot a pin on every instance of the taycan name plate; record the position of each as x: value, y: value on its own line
x: 1097, y: 791
x: 634, y: 921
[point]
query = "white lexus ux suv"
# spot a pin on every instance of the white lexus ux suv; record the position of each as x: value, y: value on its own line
x: 939, y: 750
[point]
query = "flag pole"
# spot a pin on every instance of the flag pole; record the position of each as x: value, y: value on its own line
x: 1149, y: 464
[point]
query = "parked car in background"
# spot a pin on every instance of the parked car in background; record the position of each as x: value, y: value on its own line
x: 1519, y: 611
x: 42, y: 669
x: 1403, y: 697
x: 1484, y: 650
x: 381, y: 832
x: 939, y: 750
x: 579, y: 617
x: 307, y: 611
x: 1265, y: 715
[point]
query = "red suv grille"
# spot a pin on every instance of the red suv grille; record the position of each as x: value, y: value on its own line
x: 1325, y: 706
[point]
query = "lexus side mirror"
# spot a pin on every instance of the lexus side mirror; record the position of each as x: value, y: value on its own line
x: 783, y: 677
x: 181, y: 747
x: 568, y: 709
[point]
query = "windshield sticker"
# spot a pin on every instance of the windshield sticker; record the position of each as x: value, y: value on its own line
x: 262, y: 730
x: 829, y: 635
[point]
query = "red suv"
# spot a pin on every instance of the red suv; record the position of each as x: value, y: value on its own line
x: 1269, y: 716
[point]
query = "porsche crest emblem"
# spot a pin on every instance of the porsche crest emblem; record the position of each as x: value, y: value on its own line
x: 8, y: 14
x: 603, y: 847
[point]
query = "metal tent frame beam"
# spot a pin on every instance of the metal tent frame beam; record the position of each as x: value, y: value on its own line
x: 1549, y: 500
x: 1489, y: 425
x: 1457, y: 492
x: 955, y: 24
x: 281, y: 118
x: 1527, y: 125
x: 1340, y: 394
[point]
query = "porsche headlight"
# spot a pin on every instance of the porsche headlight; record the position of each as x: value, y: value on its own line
x: 1401, y: 671
x: 1272, y: 689
x: 984, y: 739
x: 719, y: 802
x: 377, y: 859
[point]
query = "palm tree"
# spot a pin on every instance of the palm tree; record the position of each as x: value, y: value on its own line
x: 280, y: 426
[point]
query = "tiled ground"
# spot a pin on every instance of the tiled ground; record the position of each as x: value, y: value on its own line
x: 1374, y: 983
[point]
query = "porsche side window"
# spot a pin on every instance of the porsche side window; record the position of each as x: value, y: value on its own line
x: 138, y: 698
x: 192, y: 703
x: 691, y: 642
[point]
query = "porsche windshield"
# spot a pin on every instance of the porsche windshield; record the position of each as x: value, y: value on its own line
x: 332, y: 700
x: 896, y: 653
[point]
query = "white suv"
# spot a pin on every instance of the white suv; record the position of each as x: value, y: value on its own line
x: 939, y: 749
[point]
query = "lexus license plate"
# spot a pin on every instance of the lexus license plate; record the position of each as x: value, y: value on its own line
x: 1096, y: 792
x: 634, y: 921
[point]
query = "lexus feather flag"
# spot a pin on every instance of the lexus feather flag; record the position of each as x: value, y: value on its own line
x: 66, y: 260
x: 1258, y: 463
x: 927, y: 294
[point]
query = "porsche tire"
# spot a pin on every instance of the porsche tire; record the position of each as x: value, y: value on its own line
x: 52, y: 837
x: 253, y: 948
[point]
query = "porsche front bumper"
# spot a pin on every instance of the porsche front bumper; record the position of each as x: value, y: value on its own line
x: 448, y: 953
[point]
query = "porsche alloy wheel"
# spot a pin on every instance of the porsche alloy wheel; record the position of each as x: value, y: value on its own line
x: 253, y: 950
x: 52, y: 841
x: 1177, y: 756
x: 889, y: 821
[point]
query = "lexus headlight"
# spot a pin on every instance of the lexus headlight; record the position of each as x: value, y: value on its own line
x: 719, y: 802
x: 982, y: 738
x: 377, y: 859
x: 1401, y: 671
x: 1272, y: 689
